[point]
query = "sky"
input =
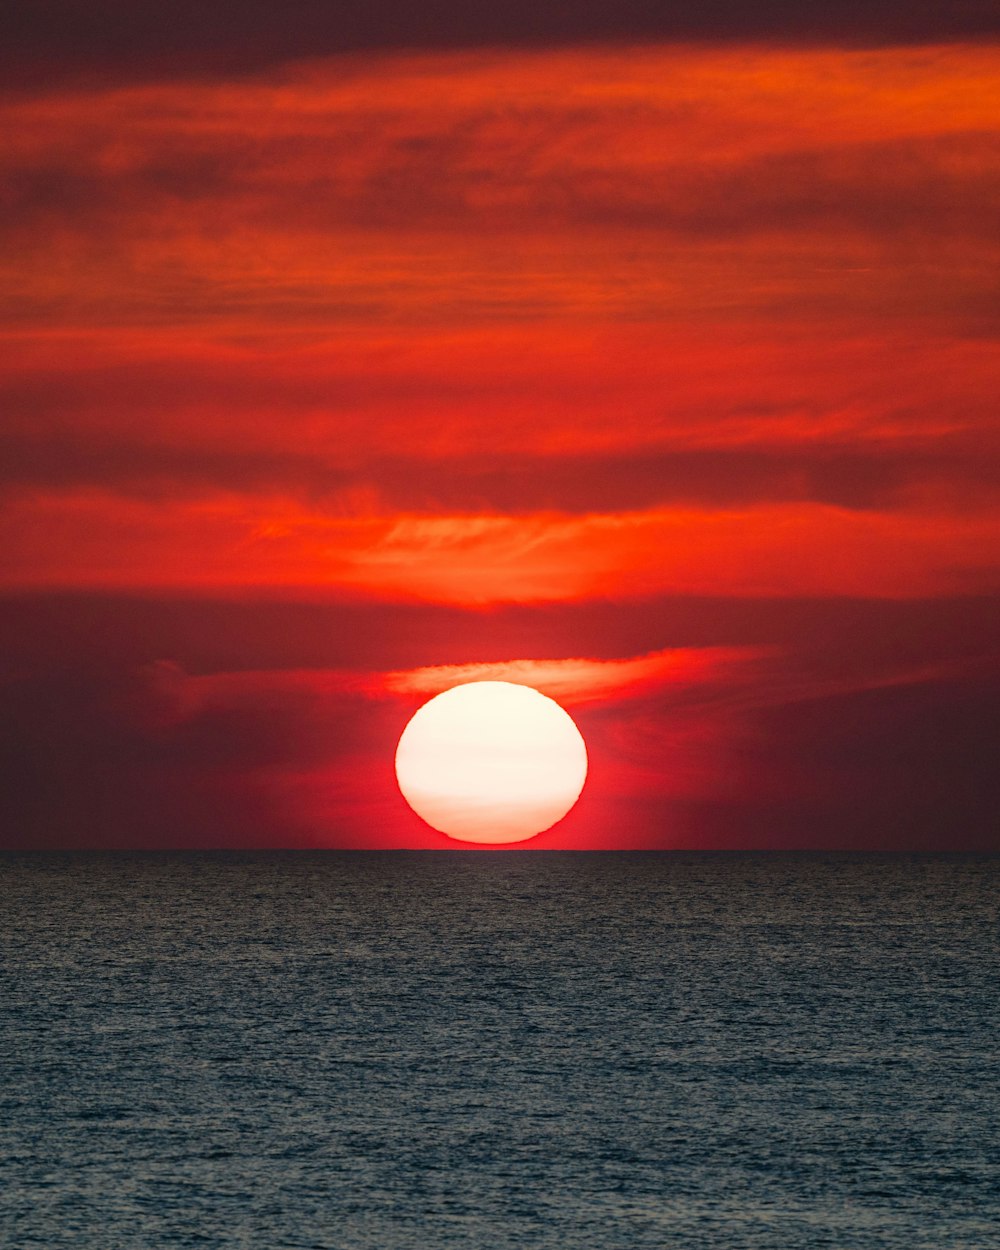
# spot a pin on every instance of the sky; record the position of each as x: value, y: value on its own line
x: 645, y: 354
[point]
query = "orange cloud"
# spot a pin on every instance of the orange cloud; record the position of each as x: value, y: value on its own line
x: 88, y: 539
x: 640, y: 182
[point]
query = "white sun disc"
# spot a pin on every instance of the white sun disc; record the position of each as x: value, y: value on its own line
x: 491, y: 761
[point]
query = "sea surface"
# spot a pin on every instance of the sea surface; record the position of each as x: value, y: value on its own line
x: 508, y: 1050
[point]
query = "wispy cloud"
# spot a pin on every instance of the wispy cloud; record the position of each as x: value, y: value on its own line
x: 582, y: 680
x: 83, y: 539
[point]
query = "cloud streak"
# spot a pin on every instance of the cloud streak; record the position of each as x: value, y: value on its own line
x: 580, y: 680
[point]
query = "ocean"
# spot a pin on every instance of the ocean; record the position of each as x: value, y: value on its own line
x: 499, y: 1050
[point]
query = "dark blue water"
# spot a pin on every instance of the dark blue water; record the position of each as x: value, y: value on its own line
x: 707, y: 1052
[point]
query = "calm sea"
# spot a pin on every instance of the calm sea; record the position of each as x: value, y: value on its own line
x: 707, y: 1052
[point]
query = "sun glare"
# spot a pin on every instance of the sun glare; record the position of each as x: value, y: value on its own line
x: 491, y: 762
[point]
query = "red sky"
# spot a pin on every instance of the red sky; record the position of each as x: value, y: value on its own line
x: 652, y: 365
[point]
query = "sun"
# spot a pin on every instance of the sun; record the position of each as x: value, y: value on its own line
x: 491, y: 762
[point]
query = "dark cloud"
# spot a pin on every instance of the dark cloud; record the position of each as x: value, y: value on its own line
x: 115, y: 38
x: 911, y: 768
x: 110, y: 756
x: 845, y: 476
x: 460, y: 176
x: 96, y: 632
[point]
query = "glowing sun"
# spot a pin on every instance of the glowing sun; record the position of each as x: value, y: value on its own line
x: 491, y: 761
